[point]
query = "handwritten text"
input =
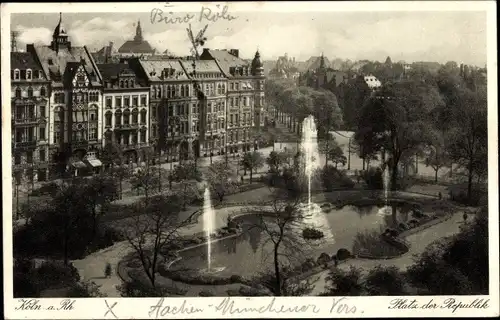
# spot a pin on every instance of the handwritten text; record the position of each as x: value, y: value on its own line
x: 206, y: 14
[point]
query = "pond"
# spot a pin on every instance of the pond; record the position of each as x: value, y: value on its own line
x: 251, y: 252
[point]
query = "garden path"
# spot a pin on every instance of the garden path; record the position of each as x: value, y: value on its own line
x: 418, y: 241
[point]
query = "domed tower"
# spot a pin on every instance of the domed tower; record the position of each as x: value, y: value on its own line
x: 259, y: 78
x: 60, y: 37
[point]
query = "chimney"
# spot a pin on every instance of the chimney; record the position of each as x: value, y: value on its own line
x: 235, y: 52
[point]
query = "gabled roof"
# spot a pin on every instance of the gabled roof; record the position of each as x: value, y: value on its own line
x: 203, y: 66
x: 54, y: 63
x: 132, y: 46
x: 156, y: 67
x: 23, y: 60
x: 111, y: 71
x: 227, y: 60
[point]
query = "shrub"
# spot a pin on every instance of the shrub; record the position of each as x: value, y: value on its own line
x: 373, y: 178
x: 236, y: 278
x: 233, y: 292
x: 385, y: 281
x: 107, y: 270
x: 312, y: 234
x: 333, y: 178
x: 413, y: 223
x: 136, y: 288
x: 55, y: 274
x: 403, y: 183
x: 206, y: 293
x: 458, y: 193
x: 403, y: 226
x: 252, y: 292
x: 371, y: 242
x: 323, y: 258
x: 343, y: 254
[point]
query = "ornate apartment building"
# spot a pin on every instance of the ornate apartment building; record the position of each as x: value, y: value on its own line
x: 126, y: 110
x: 30, y: 92
x: 75, y: 113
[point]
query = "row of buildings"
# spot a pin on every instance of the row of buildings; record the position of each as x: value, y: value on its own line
x: 66, y: 106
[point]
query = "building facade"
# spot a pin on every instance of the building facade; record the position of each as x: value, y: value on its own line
x: 125, y: 111
x: 74, y: 116
x: 30, y: 92
x: 245, y: 97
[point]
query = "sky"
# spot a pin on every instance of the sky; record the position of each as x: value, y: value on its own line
x: 439, y: 36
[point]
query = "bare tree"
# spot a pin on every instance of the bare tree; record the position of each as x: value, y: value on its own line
x: 282, y: 220
x: 148, y: 234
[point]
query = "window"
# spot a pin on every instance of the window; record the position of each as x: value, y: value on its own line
x: 42, y: 92
x: 29, y: 74
x: 18, y: 92
x: 93, y: 134
x: 134, y: 138
x: 223, y: 88
x: 231, y: 120
x: 108, y: 119
x: 126, y: 117
x: 143, y: 136
x: 17, y: 158
x: 236, y: 119
x: 143, y: 100
x: 135, y: 116
x: 59, y: 97
x: 118, y: 102
x: 94, y: 97
x: 57, y: 136
x: 153, y: 113
x: 182, y: 91
x: 42, y: 111
x: 109, y: 103
x: 135, y: 101
x: 143, y: 116
x: 236, y: 86
x: 118, y: 118
x: 42, y: 155
x: 30, y: 92
x: 41, y: 133
x: 17, y: 74
x: 93, y: 116
x: 127, y: 101
x: 219, y: 89
x: 29, y: 157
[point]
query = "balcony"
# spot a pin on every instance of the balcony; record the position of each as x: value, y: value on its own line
x: 25, y: 144
x: 25, y: 121
x: 79, y: 144
x: 128, y: 126
x: 133, y: 146
x: 30, y: 100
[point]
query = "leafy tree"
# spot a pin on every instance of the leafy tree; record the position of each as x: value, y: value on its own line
x: 112, y: 155
x: 395, y: 120
x: 186, y: 171
x: 252, y: 161
x: 275, y: 161
x: 326, y: 112
x: 437, y: 156
x: 218, y: 177
x: 153, y: 229
x: 71, y: 215
x: 336, y: 154
x: 468, y: 138
x: 121, y: 173
x: 146, y: 178
x: 99, y: 191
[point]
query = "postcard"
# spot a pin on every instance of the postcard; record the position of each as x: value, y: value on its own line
x: 261, y: 159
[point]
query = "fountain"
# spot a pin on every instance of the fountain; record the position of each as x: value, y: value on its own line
x: 209, y: 228
x: 208, y: 224
x: 309, y: 145
x: 386, y: 209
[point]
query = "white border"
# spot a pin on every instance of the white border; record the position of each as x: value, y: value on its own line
x: 366, y: 306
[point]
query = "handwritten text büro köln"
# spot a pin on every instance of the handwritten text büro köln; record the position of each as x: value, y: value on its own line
x: 206, y: 14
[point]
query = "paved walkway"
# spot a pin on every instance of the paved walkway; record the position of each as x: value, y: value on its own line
x: 418, y: 241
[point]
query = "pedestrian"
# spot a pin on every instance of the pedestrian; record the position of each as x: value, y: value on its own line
x: 336, y: 261
x: 440, y: 195
x: 107, y: 270
x: 465, y: 217
x: 241, y: 179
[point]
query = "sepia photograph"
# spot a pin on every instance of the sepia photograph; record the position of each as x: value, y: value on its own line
x: 228, y: 150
